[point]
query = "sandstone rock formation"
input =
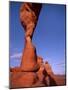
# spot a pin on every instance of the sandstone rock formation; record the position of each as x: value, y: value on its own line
x: 32, y: 71
x: 29, y: 14
x: 26, y: 73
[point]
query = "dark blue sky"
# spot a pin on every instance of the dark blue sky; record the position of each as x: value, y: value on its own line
x: 48, y: 38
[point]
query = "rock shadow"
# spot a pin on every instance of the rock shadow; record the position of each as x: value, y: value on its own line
x: 50, y: 79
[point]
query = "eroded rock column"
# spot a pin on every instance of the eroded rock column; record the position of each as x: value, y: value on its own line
x: 29, y: 13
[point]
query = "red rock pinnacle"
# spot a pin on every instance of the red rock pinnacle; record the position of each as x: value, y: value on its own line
x: 29, y: 13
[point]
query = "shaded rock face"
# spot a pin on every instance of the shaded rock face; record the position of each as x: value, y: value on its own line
x: 49, y: 78
x: 41, y: 72
x: 41, y: 69
x: 48, y: 68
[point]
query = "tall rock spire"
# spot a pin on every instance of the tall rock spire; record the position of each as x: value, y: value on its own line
x: 29, y: 14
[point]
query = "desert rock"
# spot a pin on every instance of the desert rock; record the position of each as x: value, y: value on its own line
x: 29, y: 13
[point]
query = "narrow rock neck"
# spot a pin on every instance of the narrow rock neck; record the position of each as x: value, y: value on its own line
x: 28, y: 39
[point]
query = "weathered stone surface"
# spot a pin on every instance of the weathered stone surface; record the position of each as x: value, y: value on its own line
x: 49, y: 78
